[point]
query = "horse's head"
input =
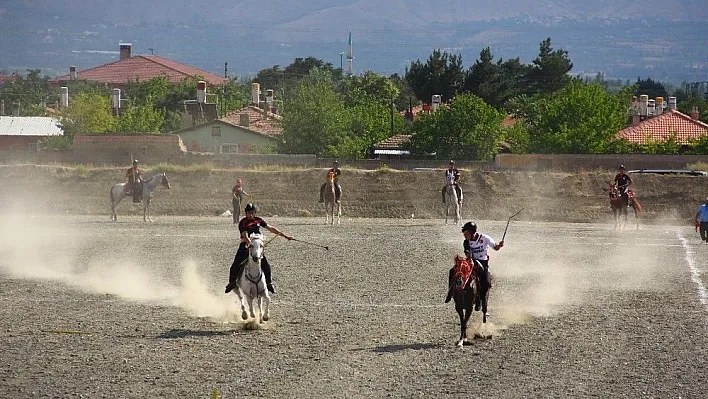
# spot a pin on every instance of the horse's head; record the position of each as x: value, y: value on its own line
x: 450, y: 178
x: 165, y: 182
x: 255, y: 249
x: 330, y: 177
x: 461, y: 272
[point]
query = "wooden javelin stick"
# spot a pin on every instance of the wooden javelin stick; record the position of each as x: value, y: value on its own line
x: 507, y: 222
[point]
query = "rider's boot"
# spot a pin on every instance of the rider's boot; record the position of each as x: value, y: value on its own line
x: 266, y: 270
x: 443, y: 195
x: 229, y: 287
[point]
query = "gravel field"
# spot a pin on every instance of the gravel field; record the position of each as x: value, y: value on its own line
x: 131, y: 310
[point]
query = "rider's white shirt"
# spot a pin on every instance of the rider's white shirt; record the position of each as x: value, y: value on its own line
x: 480, y: 246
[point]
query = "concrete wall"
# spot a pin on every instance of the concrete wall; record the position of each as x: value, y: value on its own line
x: 117, y: 150
x: 578, y: 162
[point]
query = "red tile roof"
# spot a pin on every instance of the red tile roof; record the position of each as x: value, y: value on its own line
x: 662, y: 127
x: 393, y: 142
x: 7, y: 78
x: 142, y: 67
x: 269, y: 124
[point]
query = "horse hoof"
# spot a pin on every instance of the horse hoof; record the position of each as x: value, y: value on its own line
x: 266, y: 318
x: 460, y: 343
x: 244, y: 316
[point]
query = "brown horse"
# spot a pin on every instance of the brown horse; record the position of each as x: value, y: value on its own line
x: 619, y: 207
x: 333, y: 206
x: 464, y: 290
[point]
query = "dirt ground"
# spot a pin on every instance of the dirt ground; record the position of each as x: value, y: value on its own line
x: 97, y: 309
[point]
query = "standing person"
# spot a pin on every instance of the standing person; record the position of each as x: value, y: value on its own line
x: 135, y: 181
x: 702, y: 220
x: 455, y: 173
x: 337, y: 188
x: 251, y: 224
x: 237, y: 194
x: 476, y: 247
x: 622, y: 182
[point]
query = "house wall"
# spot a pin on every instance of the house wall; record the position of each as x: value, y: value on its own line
x: 18, y: 142
x: 205, y: 139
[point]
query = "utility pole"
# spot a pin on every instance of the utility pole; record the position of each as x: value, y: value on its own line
x: 226, y: 69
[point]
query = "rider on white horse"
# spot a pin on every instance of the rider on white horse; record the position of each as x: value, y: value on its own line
x: 475, y: 246
x: 135, y: 181
x: 248, y: 225
x: 455, y: 174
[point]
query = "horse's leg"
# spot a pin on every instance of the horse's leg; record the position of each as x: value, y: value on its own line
x: 147, y: 209
x: 266, y: 307
x: 244, y: 315
x: 485, y: 301
x: 459, y: 307
x: 251, y: 305
x: 339, y: 213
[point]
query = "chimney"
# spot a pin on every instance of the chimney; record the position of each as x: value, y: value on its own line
x: 672, y: 103
x: 16, y: 108
x: 659, y: 105
x: 125, y: 50
x: 243, y: 120
x: 651, y: 108
x: 115, y: 99
x: 2, y: 107
x: 643, y: 105
x: 72, y: 73
x: 695, y: 114
x: 634, y: 106
x: 436, y: 100
x: 255, y: 94
x: 63, y: 97
x: 269, y: 99
x: 636, y: 119
x: 201, y: 92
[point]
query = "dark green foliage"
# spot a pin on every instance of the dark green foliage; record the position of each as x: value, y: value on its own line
x: 441, y: 74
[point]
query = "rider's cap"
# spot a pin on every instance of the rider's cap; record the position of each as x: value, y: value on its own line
x: 251, y: 208
x: 238, y: 181
x: 469, y: 226
x: 621, y: 166
x: 336, y: 162
x: 135, y: 161
x: 451, y: 161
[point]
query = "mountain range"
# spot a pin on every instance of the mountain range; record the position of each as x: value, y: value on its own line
x: 623, y: 39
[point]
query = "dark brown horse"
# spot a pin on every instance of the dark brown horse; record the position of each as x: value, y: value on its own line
x: 619, y: 207
x: 464, y: 289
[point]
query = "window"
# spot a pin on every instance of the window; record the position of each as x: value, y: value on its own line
x: 228, y: 148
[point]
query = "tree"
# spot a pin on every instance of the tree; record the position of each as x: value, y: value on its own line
x: 370, y: 87
x: 87, y: 113
x: 30, y: 93
x: 466, y: 129
x: 549, y: 71
x: 140, y: 119
x: 579, y: 119
x: 441, y: 74
x: 315, y: 120
x: 651, y: 88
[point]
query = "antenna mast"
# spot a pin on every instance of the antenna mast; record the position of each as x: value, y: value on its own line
x: 350, y: 57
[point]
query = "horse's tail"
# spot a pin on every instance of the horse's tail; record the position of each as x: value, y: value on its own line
x: 637, y: 205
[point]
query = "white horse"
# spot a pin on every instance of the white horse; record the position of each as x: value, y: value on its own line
x: 251, y: 283
x: 118, y: 191
x: 451, y: 201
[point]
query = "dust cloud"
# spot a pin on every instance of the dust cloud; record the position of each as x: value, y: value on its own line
x: 40, y: 248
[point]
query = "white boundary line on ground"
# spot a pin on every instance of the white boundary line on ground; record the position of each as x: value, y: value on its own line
x: 695, y: 271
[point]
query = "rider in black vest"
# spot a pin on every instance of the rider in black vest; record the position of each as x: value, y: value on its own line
x: 135, y: 181
x: 251, y: 224
x: 452, y: 170
x: 622, y: 182
x: 337, y: 188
